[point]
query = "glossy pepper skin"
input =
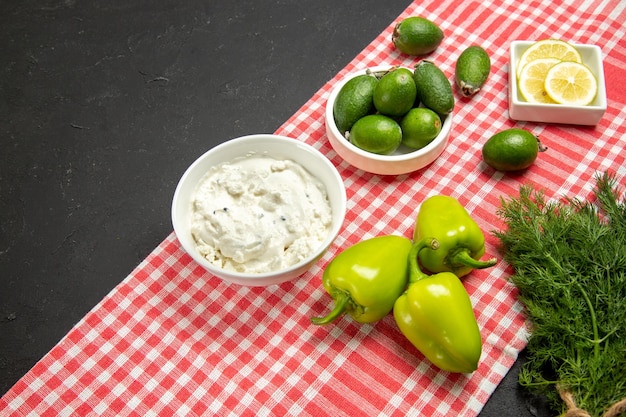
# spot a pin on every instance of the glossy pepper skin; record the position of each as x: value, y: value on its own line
x: 435, y: 314
x: 461, y: 242
x: 366, y: 279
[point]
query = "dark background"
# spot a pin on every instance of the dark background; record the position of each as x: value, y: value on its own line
x: 104, y: 104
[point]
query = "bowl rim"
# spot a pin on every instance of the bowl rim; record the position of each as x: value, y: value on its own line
x: 446, y: 125
x: 251, y: 278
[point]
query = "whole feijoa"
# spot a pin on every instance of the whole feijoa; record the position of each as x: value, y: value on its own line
x: 472, y: 70
x: 512, y: 150
x: 433, y: 88
x: 394, y: 95
x: 354, y: 100
x: 376, y: 133
x: 416, y: 35
x: 419, y: 127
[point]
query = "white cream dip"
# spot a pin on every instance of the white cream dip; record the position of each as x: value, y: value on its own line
x: 258, y: 214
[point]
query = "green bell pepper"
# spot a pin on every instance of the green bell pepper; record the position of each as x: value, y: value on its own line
x: 435, y: 314
x: 367, y: 278
x: 461, y: 242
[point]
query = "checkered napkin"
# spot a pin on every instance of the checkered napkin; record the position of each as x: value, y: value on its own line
x: 173, y: 340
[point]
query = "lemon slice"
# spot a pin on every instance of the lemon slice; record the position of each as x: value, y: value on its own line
x: 532, y: 80
x: 548, y: 48
x: 571, y: 83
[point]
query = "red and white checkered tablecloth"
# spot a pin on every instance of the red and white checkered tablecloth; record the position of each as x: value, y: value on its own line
x: 173, y: 340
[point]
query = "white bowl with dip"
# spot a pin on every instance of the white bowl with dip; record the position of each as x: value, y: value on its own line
x: 276, y: 207
x: 403, y: 161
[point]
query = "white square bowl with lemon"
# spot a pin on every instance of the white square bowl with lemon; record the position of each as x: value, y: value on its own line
x: 523, y: 109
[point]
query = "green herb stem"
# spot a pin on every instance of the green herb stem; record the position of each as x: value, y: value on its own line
x: 594, y: 322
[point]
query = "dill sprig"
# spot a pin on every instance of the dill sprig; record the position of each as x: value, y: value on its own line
x: 569, y: 261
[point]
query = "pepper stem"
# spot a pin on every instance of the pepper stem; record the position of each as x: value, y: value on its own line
x: 341, y: 303
x: 462, y: 257
x: 415, y: 273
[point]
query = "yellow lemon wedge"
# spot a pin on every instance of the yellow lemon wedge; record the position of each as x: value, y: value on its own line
x: 548, y: 48
x: 571, y: 83
x: 532, y: 78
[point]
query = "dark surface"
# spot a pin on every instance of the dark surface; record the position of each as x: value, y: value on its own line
x: 104, y: 105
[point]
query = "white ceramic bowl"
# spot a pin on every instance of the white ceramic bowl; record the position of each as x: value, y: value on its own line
x: 519, y: 109
x: 280, y: 148
x: 404, y: 160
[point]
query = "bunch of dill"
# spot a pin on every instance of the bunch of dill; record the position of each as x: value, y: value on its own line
x: 569, y: 261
